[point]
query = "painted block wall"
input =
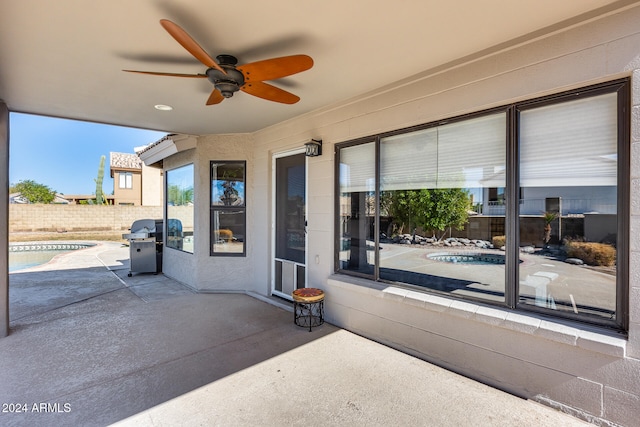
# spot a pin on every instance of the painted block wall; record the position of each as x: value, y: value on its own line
x: 585, y: 371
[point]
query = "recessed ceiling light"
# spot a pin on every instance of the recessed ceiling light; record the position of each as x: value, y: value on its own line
x: 163, y: 107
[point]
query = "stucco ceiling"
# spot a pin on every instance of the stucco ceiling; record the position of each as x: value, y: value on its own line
x: 64, y: 58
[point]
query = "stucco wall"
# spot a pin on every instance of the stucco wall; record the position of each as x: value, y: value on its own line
x: 222, y: 273
x: 199, y: 270
x: 39, y: 217
x: 152, y: 186
x: 583, y: 370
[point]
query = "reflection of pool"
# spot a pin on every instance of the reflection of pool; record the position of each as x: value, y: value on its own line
x: 468, y: 258
x: 23, y: 256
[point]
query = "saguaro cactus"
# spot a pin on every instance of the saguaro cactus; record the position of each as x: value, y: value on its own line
x: 100, y: 200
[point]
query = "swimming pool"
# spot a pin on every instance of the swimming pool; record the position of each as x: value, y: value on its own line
x: 468, y: 258
x: 26, y: 255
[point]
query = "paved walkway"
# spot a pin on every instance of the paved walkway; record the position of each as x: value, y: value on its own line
x: 90, y: 346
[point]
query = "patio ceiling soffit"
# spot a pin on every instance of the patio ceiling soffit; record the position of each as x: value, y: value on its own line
x: 153, y: 154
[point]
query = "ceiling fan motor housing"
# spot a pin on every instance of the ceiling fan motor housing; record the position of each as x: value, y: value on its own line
x: 230, y: 82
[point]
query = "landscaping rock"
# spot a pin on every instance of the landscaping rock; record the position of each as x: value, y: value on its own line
x: 574, y: 261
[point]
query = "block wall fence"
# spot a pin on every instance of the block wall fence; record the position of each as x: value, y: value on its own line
x: 59, y: 218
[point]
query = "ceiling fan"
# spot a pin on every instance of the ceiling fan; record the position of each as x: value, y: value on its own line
x: 229, y: 78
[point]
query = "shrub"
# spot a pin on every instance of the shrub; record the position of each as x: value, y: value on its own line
x: 598, y: 254
x: 499, y: 241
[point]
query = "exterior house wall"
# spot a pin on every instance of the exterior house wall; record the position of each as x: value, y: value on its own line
x: 152, y: 190
x: 223, y: 273
x: 582, y: 370
x: 591, y: 372
x: 199, y: 270
x: 126, y: 196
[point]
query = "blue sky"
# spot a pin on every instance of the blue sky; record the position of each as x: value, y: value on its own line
x: 65, y: 154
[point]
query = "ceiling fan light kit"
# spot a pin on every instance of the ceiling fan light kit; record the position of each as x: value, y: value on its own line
x: 227, y: 79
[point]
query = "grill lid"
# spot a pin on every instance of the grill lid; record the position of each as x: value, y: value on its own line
x: 143, y: 225
x: 141, y: 229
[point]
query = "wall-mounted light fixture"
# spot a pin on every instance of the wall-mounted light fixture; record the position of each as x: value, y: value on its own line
x: 313, y: 148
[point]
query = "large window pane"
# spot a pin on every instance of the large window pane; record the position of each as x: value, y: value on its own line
x: 179, y: 202
x: 527, y: 208
x: 437, y: 221
x: 228, y: 229
x: 357, y: 208
x: 568, y: 211
x: 228, y: 203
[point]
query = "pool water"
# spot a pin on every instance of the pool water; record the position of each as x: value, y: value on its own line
x: 26, y: 255
x: 26, y: 259
x: 470, y: 258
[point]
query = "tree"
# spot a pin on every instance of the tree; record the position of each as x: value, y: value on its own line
x: 549, y: 217
x: 434, y: 210
x: 34, y: 192
x: 178, y: 196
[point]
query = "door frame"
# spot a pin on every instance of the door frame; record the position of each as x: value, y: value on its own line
x: 272, y: 261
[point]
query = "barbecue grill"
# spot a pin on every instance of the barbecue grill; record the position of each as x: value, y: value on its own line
x: 145, y: 246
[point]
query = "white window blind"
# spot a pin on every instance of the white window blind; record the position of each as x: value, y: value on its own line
x: 466, y: 154
x: 570, y: 144
x: 357, y: 169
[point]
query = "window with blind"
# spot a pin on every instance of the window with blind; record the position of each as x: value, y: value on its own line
x: 522, y: 206
x: 568, y: 164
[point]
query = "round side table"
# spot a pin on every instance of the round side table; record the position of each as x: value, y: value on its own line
x: 308, y: 307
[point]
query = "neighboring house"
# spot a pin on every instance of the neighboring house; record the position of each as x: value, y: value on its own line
x: 133, y: 182
x: 80, y: 199
x: 17, y: 198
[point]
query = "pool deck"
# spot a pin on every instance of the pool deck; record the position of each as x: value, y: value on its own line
x: 90, y: 346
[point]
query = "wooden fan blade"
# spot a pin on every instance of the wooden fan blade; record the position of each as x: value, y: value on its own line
x: 215, y: 97
x: 190, y: 44
x: 271, y: 69
x: 269, y: 92
x: 153, y: 73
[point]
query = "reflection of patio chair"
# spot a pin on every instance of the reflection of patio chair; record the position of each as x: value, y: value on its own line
x: 174, y: 233
x: 224, y: 235
x: 539, y: 281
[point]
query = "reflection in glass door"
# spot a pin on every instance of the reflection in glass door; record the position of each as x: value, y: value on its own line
x: 290, y: 224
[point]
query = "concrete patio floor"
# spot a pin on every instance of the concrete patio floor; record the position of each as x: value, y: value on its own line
x: 90, y: 346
